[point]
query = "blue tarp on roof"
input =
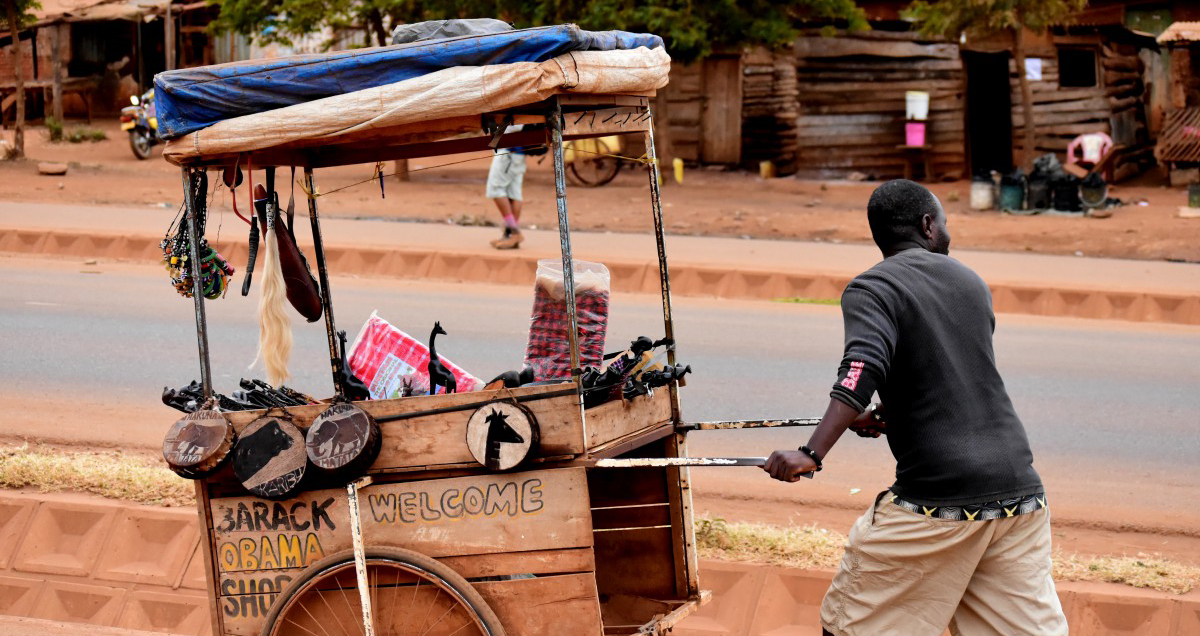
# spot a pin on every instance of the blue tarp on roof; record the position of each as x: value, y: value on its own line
x: 191, y: 99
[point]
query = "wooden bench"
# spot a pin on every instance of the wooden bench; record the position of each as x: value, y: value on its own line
x: 82, y: 86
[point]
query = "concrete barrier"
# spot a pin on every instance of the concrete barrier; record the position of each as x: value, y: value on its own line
x: 627, y: 276
x: 757, y: 600
x: 87, y: 560
x: 82, y: 559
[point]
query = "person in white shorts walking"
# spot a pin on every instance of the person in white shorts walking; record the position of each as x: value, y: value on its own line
x: 504, y: 181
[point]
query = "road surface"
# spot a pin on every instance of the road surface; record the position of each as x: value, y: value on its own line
x: 1111, y: 408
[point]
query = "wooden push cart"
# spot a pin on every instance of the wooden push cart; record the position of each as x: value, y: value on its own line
x: 447, y: 547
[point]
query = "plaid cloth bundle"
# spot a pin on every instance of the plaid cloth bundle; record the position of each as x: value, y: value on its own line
x: 548, y: 351
x: 386, y: 358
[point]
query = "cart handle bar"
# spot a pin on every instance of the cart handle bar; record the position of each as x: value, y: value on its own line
x: 679, y: 462
x: 736, y: 424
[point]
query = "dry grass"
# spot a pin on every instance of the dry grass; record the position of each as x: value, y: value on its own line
x: 111, y: 474
x: 802, y: 547
x: 813, y: 547
x: 1140, y: 571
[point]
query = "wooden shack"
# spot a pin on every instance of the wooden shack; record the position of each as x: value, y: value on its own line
x: 770, y: 107
x: 828, y: 106
x: 704, y: 109
x: 1085, y: 80
x: 852, y: 103
x: 1178, y: 144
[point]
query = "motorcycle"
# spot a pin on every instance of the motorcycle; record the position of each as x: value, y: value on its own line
x: 141, y: 121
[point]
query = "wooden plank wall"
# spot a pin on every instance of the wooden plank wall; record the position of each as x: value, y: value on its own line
x: 769, y: 109
x: 851, y: 103
x: 721, y: 121
x: 684, y: 110
x: 704, y: 109
x: 1114, y: 107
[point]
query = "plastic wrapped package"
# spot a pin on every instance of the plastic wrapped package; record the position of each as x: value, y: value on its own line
x: 548, y: 352
x: 394, y: 364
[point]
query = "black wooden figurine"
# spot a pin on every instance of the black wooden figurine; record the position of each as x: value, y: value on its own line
x: 353, y: 389
x: 439, y: 375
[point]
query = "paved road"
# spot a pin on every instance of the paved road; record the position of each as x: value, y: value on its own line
x: 1111, y: 407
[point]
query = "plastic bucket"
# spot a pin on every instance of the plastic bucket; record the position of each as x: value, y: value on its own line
x: 916, y: 105
x: 914, y: 133
x: 1011, y: 197
x: 1066, y: 196
x: 1093, y: 196
x: 983, y: 195
x: 1039, y: 195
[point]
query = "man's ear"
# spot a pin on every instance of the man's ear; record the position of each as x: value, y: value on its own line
x: 927, y: 224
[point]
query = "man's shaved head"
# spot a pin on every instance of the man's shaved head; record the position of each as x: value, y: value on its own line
x: 896, y: 213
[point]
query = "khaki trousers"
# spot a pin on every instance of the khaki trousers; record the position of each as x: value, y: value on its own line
x: 906, y: 574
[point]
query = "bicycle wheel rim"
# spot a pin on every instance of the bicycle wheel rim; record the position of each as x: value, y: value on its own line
x: 325, y: 601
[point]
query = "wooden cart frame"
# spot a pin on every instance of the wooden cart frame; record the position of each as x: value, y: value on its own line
x: 554, y: 547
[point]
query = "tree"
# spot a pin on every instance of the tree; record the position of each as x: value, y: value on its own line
x: 691, y: 30
x: 977, y: 18
x: 16, y: 14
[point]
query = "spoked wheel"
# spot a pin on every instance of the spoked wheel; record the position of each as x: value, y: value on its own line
x: 593, y: 164
x: 411, y: 595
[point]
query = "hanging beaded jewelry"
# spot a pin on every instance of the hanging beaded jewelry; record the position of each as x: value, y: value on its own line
x: 214, y: 269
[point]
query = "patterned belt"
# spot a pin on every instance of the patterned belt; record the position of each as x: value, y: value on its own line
x: 977, y: 512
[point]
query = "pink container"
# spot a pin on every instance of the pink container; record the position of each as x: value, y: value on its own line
x: 914, y: 133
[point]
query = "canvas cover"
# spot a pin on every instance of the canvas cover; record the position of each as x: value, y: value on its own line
x: 431, y: 106
x: 442, y: 29
x: 193, y: 99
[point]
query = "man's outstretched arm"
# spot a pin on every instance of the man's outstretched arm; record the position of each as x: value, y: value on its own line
x: 788, y: 465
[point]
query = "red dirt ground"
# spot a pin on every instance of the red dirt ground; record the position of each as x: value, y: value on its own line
x: 709, y: 202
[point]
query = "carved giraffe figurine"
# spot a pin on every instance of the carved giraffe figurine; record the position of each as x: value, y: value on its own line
x: 353, y: 389
x: 499, y: 432
x: 439, y: 375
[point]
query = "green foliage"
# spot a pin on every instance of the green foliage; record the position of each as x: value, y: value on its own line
x: 55, y: 129
x: 23, y: 9
x: 691, y: 29
x: 952, y: 18
x: 76, y: 135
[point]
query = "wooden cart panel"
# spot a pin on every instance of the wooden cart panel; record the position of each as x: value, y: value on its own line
x: 618, y: 419
x: 433, y: 432
x: 434, y: 429
x: 533, y: 522
x: 546, y: 606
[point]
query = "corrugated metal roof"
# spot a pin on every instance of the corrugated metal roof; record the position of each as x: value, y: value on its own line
x: 81, y: 10
x: 1181, y: 32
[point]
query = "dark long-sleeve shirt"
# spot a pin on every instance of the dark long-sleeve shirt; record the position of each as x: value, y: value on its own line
x: 919, y: 330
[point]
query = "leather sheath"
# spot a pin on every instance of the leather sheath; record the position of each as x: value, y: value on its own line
x: 302, y: 290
